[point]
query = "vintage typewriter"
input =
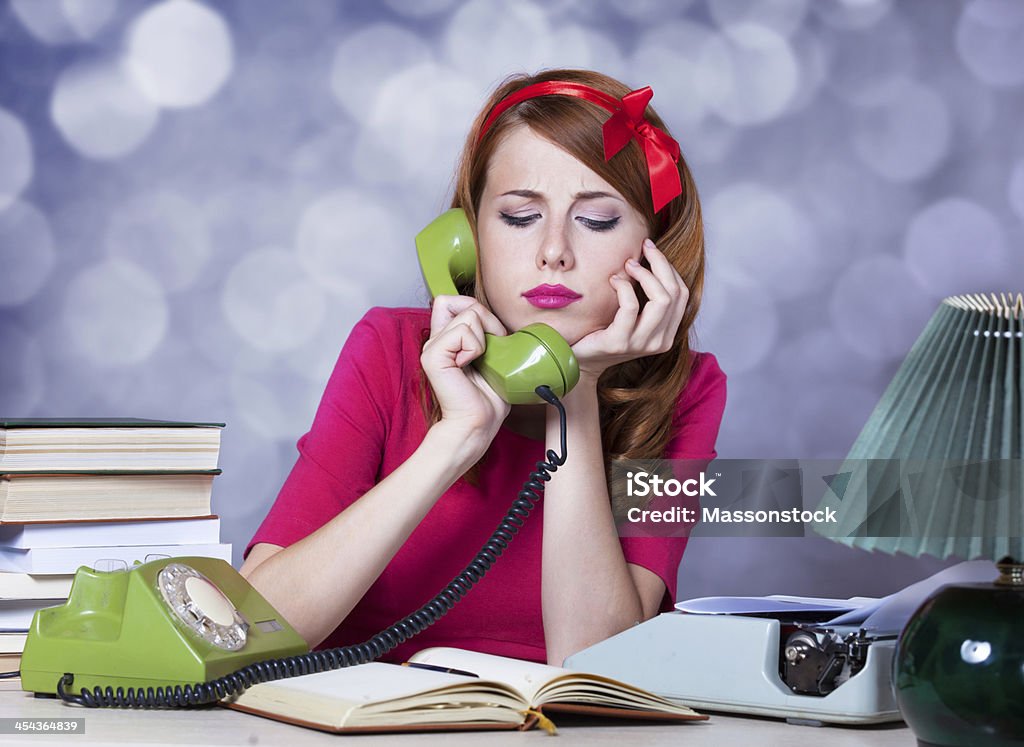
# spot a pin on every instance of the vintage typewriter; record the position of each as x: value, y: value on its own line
x: 811, y: 661
x: 793, y: 667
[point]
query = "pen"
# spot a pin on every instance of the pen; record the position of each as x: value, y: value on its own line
x: 433, y: 668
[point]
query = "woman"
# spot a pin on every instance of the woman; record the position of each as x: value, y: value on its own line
x: 412, y: 459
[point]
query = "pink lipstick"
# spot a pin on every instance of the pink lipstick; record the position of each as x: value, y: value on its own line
x: 551, y: 296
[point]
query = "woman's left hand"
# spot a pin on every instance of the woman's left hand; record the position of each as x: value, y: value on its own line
x: 634, y: 334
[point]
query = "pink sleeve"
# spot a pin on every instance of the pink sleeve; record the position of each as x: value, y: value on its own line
x: 699, y: 411
x: 696, y: 422
x: 340, y: 456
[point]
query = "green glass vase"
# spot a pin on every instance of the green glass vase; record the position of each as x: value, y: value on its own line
x: 958, y: 672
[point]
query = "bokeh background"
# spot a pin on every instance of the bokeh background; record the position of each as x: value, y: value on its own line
x: 199, y: 199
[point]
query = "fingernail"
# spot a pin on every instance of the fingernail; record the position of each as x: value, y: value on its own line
x: 632, y: 262
x: 648, y: 244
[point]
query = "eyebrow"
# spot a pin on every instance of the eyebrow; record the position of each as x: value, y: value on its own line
x: 578, y: 196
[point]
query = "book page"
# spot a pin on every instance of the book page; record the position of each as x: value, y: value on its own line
x: 543, y: 683
x: 363, y: 684
x: 596, y: 689
x: 383, y: 694
x: 527, y: 677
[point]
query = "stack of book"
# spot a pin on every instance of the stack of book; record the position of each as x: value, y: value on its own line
x: 21, y: 595
x: 99, y: 493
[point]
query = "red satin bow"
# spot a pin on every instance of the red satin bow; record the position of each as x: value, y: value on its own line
x: 627, y: 122
x: 660, y: 150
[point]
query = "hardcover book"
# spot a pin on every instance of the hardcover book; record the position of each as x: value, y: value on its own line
x: 190, y: 531
x: 68, y: 496
x: 65, y: 560
x: 34, y: 444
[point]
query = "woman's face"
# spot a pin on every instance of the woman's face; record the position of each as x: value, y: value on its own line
x: 551, y: 234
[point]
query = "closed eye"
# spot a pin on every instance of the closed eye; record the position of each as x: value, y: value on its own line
x: 598, y: 225
x: 519, y: 221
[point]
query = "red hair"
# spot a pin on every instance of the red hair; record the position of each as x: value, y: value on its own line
x: 637, y: 398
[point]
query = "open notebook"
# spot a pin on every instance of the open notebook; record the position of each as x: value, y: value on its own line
x: 506, y: 694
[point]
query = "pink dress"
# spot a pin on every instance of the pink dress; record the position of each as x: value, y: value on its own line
x: 370, y: 421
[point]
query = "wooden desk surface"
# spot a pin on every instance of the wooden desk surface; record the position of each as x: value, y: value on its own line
x: 219, y: 726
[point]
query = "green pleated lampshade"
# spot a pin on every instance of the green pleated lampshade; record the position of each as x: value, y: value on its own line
x: 953, y: 417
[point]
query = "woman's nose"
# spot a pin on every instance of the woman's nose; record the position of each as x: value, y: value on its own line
x: 555, y: 250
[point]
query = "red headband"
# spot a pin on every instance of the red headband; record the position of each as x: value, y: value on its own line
x: 627, y: 122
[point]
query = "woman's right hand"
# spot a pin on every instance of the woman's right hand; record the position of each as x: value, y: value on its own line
x: 470, y: 409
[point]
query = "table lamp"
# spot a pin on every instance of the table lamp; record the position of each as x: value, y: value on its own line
x: 937, y: 470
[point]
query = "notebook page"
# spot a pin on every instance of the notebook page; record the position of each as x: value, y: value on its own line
x: 366, y: 683
x: 381, y: 693
x: 526, y: 676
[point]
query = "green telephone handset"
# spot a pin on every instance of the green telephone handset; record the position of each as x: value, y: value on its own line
x: 514, y: 365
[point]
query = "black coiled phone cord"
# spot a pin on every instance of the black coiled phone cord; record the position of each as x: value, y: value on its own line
x: 204, y: 693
